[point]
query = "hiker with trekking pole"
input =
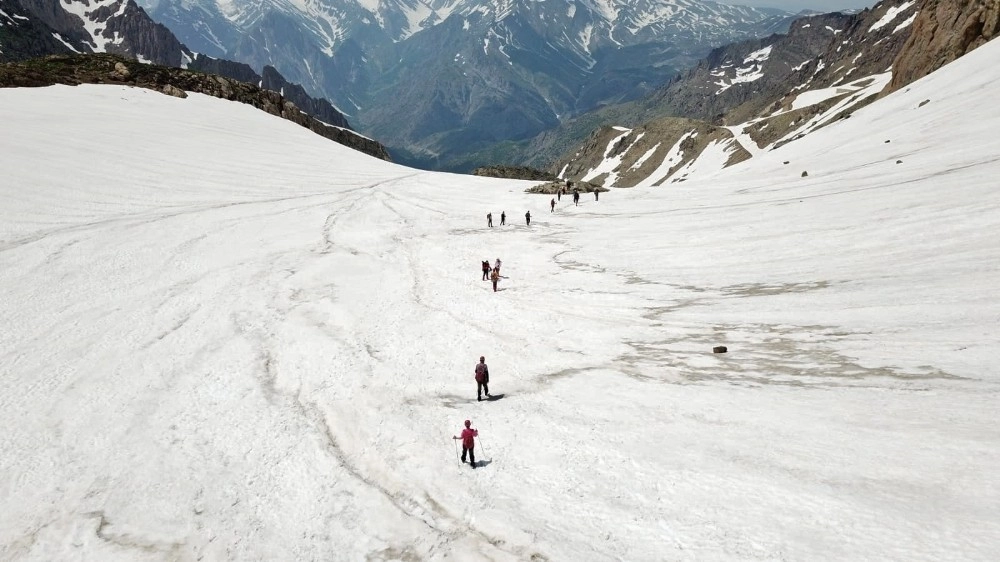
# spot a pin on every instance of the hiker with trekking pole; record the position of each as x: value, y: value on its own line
x: 468, y: 438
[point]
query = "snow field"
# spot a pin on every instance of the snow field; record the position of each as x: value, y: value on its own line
x: 218, y: 347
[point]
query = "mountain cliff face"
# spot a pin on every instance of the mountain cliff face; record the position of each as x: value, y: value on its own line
x: 439, y: 80
x: 756, y: 95
x: 943, y: 31
x: 97, y: 26
x: 33, y: 28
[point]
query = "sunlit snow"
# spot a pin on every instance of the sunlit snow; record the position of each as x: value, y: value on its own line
x: 226, y: 338
x: 890, y: 15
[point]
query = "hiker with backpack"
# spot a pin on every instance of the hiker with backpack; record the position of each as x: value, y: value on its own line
x: 486, y: 269
x: 503, y: 218
x: 482, y: 379
x: 495, y: 277
x: 527, y: 218
x: 489, y: 220
x: 468, y: 438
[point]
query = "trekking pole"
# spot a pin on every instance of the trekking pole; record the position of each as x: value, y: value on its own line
x: 457, y: 458
x: 481, y: 446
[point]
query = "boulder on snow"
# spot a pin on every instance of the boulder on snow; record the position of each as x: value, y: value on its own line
x: 720, y: 349
x: 804, y: 173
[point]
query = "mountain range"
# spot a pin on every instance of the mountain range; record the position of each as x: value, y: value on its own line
x: 34, y: 28
x: 754, y: 96
x: 447, y: 84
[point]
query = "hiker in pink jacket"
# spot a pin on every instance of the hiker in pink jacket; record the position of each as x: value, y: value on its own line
x: 468, y: 438
x: 482, y: 379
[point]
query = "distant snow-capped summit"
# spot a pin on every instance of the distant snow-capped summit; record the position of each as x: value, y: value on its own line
x: 440, y: 79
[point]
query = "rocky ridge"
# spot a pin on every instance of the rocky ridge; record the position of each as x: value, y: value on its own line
x: 106, y: 68
x: 756, y: 95
x: 514, y: 173
x: 34, y: 28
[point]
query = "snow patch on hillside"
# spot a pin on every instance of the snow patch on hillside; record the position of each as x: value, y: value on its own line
x: 890, y: 15
x: 905, y: 24
x: 673, y: 157
x: 751, y: 70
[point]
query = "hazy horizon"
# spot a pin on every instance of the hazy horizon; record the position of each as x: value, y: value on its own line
x: 799, y: 5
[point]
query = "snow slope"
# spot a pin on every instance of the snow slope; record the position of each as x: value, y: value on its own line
x: 224, y: 337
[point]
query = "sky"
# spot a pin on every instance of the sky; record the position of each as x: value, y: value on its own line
x: 224, y: 337
x: 798, y: 5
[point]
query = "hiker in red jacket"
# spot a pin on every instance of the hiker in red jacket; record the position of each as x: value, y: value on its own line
x: 486, y: 269
x: 482, y: 379
x: 468, y: 442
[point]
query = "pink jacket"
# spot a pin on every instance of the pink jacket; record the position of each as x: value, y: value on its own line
x: 482, y: 373
x: 468, y: 437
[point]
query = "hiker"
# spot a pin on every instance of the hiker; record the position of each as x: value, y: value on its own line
x: 597, y: 194
x: 489, y: 220
x: 552, y: 206
x: 495, y: 277
x: 468, y: 442
x: 486, y: 269
x: 503, y: 218
x: 576, y: 197
x: 527, y: 218
x: 482, y: 379
x: 559, y: 193
x: 497, y: 265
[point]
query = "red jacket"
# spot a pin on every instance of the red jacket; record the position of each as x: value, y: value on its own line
x: 468, y: 437
x: 482, y: 373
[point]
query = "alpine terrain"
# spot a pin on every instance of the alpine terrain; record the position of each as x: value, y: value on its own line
x: 751, y: 97
x: 448, y: 83
x: 225, y: 337
x: 36, y: 28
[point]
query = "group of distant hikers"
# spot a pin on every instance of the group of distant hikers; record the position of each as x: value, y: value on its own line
x: 552, y: 205
x: 503, y: 218
x: 482, y: 372
x: 576, y: 196
x: 491, y: 274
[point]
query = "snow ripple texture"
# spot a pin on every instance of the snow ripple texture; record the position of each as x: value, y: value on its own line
x: 225, y: 338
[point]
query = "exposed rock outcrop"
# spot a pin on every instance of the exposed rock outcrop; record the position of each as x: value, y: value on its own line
x: 514, y: 173
x: 943, y: 31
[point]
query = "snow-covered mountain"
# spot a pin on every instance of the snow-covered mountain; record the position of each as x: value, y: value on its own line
x: 36, y: 28
x: 750, y: 97
x: 443, y: 79
x: 42, y: 27
x: 232, y: 339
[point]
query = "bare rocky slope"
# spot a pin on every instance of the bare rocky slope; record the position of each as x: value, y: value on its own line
x: 943, y: 31
x: 757, y: 95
